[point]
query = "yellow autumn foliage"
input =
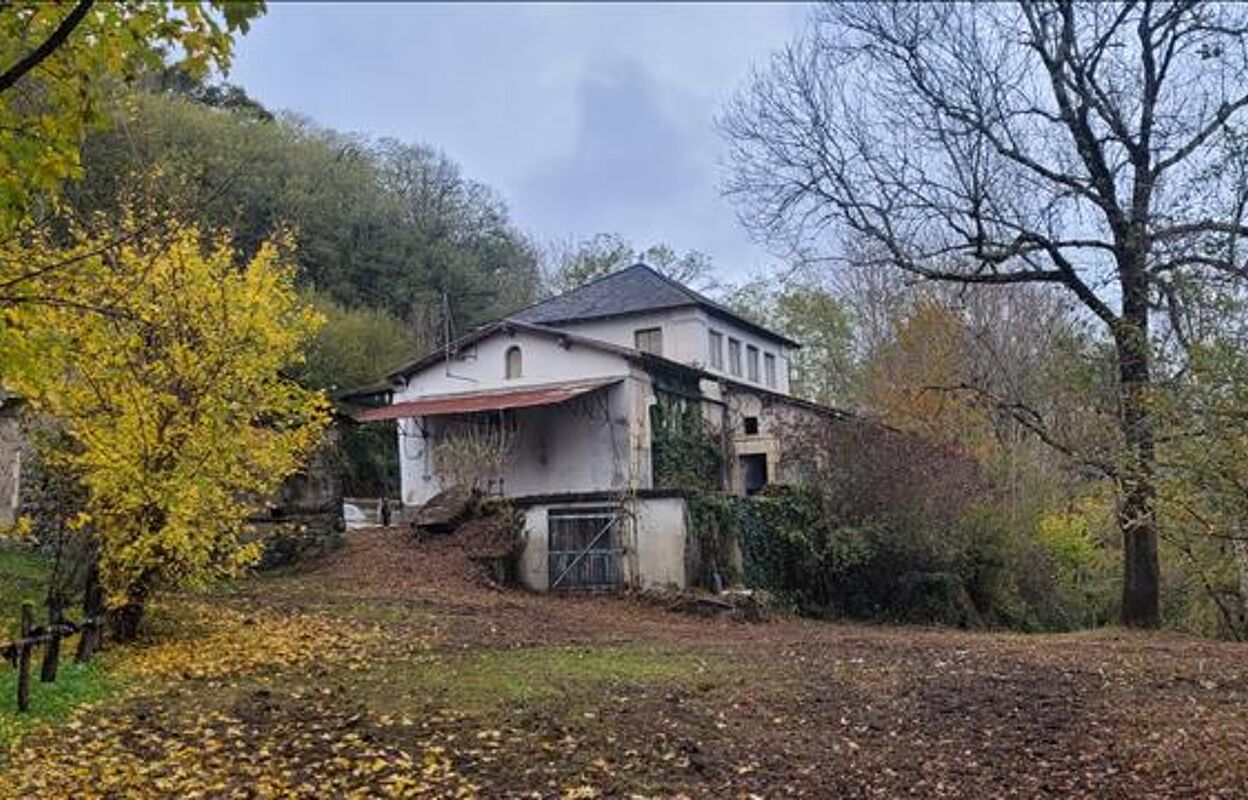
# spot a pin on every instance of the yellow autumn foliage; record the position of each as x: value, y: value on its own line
x: 161, y: 356
x: 916, y: 382
x: 47, y: 113
x: 211, y: 641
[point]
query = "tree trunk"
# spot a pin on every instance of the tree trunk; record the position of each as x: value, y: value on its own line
x: 92, y: 609
x: 1137, y: 514
x: 1240, y: 547
x: 124, y: 621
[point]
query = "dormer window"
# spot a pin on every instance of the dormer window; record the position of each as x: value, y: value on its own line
x: 649, y: 340
x: 513, y: 363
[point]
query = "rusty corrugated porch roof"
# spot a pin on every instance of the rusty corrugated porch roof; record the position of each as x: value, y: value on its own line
x: 547, y: 394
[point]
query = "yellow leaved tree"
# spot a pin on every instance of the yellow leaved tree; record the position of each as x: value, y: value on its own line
x: 161, y: 360
x: 60, y: 63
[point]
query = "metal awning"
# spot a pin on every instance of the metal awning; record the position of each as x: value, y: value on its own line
x: 548, y: 394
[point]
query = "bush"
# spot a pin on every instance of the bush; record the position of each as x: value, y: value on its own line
x: 975, y: 570
x: 287, y: 542
x: 889, y: 527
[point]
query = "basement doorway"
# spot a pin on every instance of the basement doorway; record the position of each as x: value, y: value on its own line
x: 753, y: 472
x: 584, y: 548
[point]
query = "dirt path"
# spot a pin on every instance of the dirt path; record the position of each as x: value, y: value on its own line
x: 418, y: 679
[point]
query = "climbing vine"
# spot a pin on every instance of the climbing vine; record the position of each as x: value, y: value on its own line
x: 684, y: 451
x: 781, y: 542
x: 713, y: 555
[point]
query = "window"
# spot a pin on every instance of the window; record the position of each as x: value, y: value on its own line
x: 717, y: 350
x: 513, y: 366
x: 649, y: 340
x: 769, y: 369
x: 734, y: 356
x: 751, y: 363
x: 750, y: 426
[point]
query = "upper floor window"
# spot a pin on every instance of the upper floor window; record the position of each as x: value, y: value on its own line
x: 514, y: 362
x: 769, y: 369
x: 751, y: 363
x: 716, y: 347
x: 649, y: 340
x: 734, y: 357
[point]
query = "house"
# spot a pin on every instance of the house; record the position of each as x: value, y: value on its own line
x: 560, y: 407
x: 12, y: 443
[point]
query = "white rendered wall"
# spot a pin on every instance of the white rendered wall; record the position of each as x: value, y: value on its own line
x: 597, y: 442
x: 533, y: 566
x: 684, y: 334
x: 653, y: 540
x: 686, y: 340
x: 746, y: 337
x: 660, y: 542
x: 480, y: 367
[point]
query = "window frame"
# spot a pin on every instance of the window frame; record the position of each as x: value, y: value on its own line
x: 715, y: 349
x: 769, y: 369
x: 655, y: 332
x: 734, y: 357
x: 752, y: 363
x: 507, y: 354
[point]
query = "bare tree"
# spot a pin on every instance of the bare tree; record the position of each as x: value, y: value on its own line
x: 1087, y: 146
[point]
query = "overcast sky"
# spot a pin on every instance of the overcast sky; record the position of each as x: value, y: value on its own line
x: 586, y: 118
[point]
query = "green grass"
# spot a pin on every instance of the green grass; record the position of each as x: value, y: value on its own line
x: 486, y: 680
x: 23, y: 576
x: 75, y: 685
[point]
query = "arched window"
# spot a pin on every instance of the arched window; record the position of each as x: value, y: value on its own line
x: 513, y: 362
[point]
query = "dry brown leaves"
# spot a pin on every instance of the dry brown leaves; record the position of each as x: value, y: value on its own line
x: 298, y: 747
x: 215, y: 641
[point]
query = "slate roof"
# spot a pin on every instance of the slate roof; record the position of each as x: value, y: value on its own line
x: 633, y: 290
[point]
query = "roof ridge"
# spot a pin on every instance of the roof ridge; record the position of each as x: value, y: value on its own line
x: 610, y: 274
x: 577, y: 288
x: 693, y: 294
x: 648, y: 290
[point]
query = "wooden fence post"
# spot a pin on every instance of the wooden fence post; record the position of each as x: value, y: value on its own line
x: 23, y: 658
x: 93, y: 610
x: 52, y: 650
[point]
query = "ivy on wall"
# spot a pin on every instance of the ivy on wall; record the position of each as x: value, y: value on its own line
x: 780, y: 541
x: 684, y: 451
x: 713, y: 553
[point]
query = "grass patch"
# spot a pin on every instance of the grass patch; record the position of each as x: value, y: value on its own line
x: 486, y: 680
x: 23, y: 576
x: 76, y: 684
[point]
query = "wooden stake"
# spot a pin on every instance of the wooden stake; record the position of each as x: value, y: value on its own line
x: 92, y: 609
x: 23, y: 658
x: 52, y: 650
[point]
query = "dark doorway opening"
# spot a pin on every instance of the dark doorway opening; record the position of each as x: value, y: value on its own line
x: 753, y: 472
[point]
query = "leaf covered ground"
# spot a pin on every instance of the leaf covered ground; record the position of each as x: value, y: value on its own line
x: 391, y: 670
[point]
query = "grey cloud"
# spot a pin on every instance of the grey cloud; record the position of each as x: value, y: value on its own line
x: 629, y: 160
